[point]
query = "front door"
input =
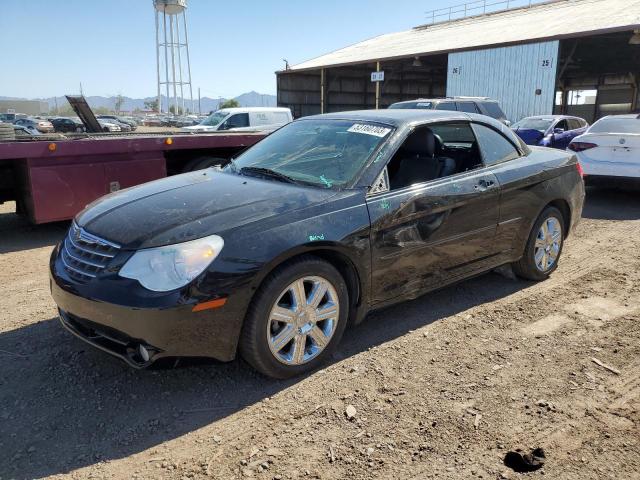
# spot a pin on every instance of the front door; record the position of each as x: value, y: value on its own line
x: 427, y: 233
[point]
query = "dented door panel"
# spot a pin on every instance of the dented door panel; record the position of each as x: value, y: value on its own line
x: 424, y: 234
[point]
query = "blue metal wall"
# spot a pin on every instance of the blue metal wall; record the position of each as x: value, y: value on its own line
x: 509, y: 74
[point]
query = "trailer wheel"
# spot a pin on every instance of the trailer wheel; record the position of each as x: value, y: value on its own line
x: 201, y: 163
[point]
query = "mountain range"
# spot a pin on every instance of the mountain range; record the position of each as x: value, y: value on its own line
x: 207, y: 104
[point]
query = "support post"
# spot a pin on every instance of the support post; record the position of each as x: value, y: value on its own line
x: 322, y: 90
x: 377, y: 88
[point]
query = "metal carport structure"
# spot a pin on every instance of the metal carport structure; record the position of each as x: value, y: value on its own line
x: 530, y: 58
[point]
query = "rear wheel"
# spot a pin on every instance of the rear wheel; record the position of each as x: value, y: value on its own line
x: 543, y: 248
x: 296, y: 319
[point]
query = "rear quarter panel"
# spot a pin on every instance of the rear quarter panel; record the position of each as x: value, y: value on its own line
x: 528, y: 185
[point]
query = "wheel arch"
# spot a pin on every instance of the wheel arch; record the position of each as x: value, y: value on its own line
x: 336, y: 256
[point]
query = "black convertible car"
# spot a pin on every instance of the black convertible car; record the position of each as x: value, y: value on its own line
x: 324, y: 220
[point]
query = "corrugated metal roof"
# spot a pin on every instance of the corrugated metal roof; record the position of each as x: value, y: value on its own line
x: 553, y: 20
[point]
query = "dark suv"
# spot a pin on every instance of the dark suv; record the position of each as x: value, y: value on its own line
x: 481, y: 105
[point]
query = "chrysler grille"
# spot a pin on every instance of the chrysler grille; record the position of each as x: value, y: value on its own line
x: 84, y: 255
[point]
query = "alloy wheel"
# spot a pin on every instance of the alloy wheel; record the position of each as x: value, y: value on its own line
x: 303, y: 320
x: 548, y: 243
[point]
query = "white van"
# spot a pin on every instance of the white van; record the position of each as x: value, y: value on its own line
x: 239, y: 119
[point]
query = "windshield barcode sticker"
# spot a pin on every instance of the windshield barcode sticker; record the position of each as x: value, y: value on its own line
x: 369, y: 130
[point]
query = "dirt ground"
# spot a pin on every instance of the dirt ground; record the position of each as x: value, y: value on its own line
x: 442, y: 386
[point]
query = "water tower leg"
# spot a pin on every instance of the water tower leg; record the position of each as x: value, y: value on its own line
x: 186, y: 45
x: 159, y: 105
x: 180, y: 64
x: 166, y: 61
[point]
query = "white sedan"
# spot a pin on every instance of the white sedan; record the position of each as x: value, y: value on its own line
x: 610, y: 149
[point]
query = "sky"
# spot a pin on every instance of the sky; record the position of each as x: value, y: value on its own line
x: 49, y: 47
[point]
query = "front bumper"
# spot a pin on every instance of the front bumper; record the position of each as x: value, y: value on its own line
x: 114, y: 320
x: 110, y: 341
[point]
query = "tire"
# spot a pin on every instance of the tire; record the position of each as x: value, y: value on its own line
x: 542, y: 253
x: 299, y: 331
x: 201, y: 163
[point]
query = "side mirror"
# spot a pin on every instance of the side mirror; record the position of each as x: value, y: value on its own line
x: 558, y: 130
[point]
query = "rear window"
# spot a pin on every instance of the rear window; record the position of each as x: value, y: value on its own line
x: 412, y: 105
x: 446, y: 106
x: 468, y: 107
x: 494, y: 110
x: 616, y: 125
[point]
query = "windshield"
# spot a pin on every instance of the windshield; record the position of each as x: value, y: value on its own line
x: 214, y: 119
x: 412, y: 105
x: 539, y: 124
x: 326, y: 153
x: 616, y: 125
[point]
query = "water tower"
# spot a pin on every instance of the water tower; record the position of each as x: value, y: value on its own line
x: 172, y: 46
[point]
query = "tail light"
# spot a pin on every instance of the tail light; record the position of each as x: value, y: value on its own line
x: 579, y: 168
x: 581, y: 146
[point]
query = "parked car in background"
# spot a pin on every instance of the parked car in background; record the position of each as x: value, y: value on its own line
x: 555, y: 131
x: 152, y: 121
x: 118, y: 120
x: 609, y: 151
x: 247, y: 118
x: 41, y: 125
x: 12, y: 117
x: 124, y: 127
x: 109, y: 126
x: 324, y: 220
x: 482, y: 105
x: 67, y: 125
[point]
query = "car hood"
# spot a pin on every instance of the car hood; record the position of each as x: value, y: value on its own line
x: 529, y: 136
x: 190, y: 206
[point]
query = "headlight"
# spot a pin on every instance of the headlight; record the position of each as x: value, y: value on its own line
x: 166, y: 268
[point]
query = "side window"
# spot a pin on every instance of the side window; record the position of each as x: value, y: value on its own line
x: 446, y: 106
x: 432, y: 152
x: 494, y: 146
x: 238, y: 120
x: 574, y: 124
x: 468, y: 107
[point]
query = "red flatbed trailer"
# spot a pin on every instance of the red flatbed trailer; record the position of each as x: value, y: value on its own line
x: 54, y: 177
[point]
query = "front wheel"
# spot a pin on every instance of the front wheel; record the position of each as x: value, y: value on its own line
x: 543, y: 248
x: 296, y: 319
